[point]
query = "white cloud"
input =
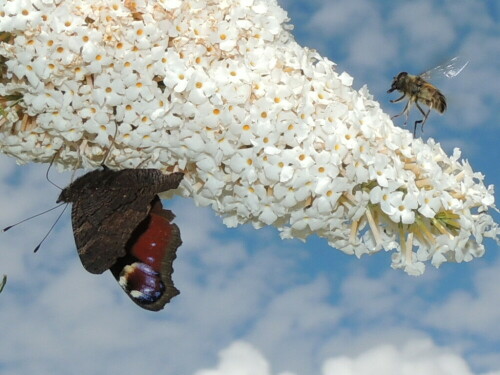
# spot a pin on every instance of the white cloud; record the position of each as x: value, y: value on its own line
x: 415, y: 357
x: 424, y: 30
x: 475, y: 310
x: 474, y: 94
x: 358, y: 28
x: 341, y: 17
x: 470, y: 13
x: 295, y: 323
x: 198, y: 224
x: 372, y: 49
x: 239, y: 358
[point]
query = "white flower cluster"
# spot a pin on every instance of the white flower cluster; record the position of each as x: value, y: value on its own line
x: 265, y: 131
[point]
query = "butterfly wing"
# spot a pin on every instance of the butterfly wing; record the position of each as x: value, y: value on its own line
x: 145, y: 272
x: 107, y: 207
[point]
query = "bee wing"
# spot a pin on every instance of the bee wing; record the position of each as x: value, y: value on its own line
x: 449, y: 69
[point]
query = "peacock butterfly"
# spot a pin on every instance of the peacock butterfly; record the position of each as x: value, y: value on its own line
x: 119, y: 224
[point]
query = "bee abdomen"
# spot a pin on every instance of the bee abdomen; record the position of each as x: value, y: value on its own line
x: 439, y: 102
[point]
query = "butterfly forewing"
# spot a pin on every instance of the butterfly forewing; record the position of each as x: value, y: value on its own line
x: 107, y: 206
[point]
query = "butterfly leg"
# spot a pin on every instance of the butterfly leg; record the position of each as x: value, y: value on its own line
x: 426, y: 114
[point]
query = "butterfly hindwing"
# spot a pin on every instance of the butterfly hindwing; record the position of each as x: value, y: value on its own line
x: 145, y: 272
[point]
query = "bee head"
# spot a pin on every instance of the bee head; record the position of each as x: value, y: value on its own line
x: 397, y: 82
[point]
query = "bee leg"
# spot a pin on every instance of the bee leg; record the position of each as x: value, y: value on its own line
x: 421, y: 121
x: 398, y: 99
x: 405, y: 112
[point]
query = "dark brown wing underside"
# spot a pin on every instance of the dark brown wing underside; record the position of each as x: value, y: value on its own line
x: 107, y: 206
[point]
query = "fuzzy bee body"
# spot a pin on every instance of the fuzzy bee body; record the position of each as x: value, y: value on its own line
x: 418, y: 91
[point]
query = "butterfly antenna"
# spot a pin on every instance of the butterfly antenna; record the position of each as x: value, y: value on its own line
x: 32, y: 217
x: 52, y: 227
x: 48, y: 169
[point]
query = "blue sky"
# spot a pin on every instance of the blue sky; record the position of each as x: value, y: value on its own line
x: 251, y: 303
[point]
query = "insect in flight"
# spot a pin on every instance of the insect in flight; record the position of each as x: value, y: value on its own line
x: 419, y: 91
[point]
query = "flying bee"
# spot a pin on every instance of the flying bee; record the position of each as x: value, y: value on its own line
x: 419, y: 91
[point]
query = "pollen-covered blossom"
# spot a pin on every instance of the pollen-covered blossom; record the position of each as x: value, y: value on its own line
x: 266, y: 131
